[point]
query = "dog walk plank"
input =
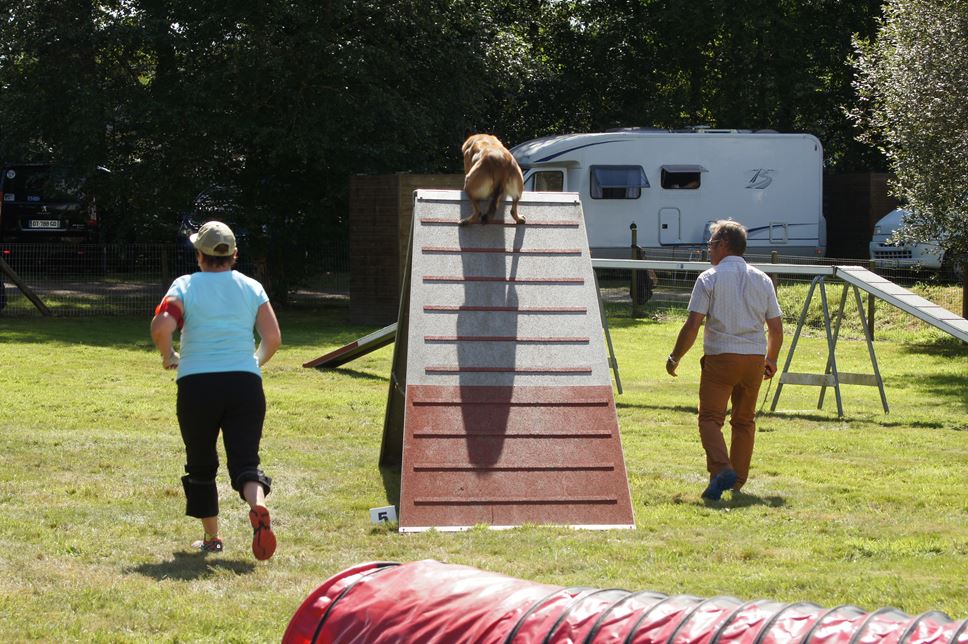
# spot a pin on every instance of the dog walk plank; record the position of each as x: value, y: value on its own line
x: 355, y: 349
x: 509, y: 416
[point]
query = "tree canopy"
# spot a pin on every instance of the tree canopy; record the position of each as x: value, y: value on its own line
x: 287, y: 99
x: 912, y: 80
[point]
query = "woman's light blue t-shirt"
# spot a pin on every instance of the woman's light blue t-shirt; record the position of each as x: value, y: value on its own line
x: 220, y: 310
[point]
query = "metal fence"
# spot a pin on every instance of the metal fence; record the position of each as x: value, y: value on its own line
x: 105, y: 279
x: 658, y: 291
x: 120, y: 279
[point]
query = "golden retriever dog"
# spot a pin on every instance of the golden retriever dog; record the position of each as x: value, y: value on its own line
x: 491, y: 173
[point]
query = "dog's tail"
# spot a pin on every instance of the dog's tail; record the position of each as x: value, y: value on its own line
x: 492, y: 202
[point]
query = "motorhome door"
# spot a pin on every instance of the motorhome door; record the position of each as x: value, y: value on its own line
x: 670, y: 226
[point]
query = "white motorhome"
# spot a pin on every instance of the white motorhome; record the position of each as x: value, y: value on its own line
x: 672, y: 184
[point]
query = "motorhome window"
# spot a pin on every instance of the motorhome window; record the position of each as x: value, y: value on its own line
x: 617, y: 181
x: 681, y: 177
x: 549, y: 181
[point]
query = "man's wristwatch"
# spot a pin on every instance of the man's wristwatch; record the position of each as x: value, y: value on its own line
x: 673, y: 360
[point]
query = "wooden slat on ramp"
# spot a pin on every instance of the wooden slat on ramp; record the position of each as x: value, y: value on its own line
x: 508, y: 413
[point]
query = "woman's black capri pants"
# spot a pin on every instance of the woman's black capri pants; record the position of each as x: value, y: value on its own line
x: 234, y: 403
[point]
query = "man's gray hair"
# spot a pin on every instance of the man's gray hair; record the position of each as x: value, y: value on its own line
x: 732, y: 233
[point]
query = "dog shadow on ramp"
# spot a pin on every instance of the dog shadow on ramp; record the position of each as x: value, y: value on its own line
x: 487, y: 343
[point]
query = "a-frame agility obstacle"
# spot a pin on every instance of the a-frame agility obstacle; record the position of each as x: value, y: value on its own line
x: 500, y: 408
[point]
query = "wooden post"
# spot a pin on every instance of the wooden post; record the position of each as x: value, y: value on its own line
x: 26, y: 290
x: 871, y: 266
x: 775, y: 259
x: 635, y: 273
x: 870, y: 313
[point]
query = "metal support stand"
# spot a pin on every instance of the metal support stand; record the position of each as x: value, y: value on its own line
x: 832, y: 376
x: 612, y: 360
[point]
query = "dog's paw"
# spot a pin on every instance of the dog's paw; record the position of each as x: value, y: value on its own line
x: 520, y: 220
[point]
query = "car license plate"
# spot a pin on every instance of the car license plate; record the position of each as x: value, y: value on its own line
x: 43, y: 223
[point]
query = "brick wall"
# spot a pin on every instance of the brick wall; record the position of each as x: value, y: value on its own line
x: 852, y: 204
x: 380, y: 210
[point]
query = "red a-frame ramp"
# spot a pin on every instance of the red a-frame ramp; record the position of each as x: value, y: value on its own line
x: 500, y: 409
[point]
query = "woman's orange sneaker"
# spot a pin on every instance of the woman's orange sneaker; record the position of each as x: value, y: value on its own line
x: 263, y: 541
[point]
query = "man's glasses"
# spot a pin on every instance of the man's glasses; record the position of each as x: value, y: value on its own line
x: 714, y: 242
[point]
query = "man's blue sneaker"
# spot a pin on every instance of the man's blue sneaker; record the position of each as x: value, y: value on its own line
x: 719, y: 484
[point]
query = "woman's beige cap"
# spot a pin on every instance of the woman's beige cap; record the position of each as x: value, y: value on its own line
x: 212, y: 235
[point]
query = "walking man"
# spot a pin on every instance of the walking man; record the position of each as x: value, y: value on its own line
x: 735, y: 300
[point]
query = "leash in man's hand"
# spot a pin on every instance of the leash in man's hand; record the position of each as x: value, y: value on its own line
x: 765, y: 396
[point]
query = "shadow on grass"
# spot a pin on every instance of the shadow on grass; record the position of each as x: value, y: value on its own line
x: 316, y: 332
x: 817, y: 416
x: 947, y: 385
x: 103, y: 332
x: 692, y: 409
x: 884, y: 421
x: 736, y: 501
x: 625, y: 321
x: 359, y: 375
x: 743, y: 500
x: 391, y: 484
x: 765, y: 414
x: 944, y: 347
x: 954, y: 382
x: 688, y: 409
x: 186, y: 566
x: 920, y: 424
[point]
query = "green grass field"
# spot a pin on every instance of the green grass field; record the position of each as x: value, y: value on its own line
x: 871, y: 509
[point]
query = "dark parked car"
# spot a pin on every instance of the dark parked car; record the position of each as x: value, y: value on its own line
x: 40, y: 202
x: 50, y: 216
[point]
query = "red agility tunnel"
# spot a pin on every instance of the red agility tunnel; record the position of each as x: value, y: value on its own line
x: 428, y: 601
